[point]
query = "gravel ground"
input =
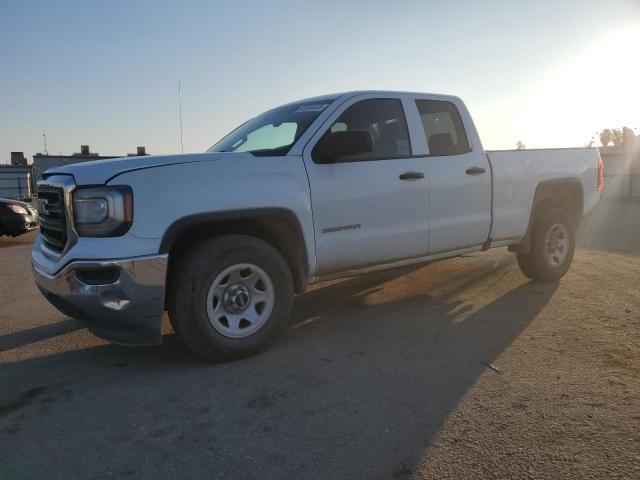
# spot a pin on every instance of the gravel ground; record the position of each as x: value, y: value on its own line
x: 26, y: 239
x: 458, y: 369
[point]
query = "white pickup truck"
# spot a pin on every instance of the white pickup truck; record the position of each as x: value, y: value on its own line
x: 322, y: 188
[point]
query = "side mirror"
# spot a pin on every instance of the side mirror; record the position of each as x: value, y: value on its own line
x: 339, y: 144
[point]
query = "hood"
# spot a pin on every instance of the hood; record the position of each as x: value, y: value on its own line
x: 98, y: 172
x: 7, y: 201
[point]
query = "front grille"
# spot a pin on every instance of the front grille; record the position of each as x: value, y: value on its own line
x: 53, y: 219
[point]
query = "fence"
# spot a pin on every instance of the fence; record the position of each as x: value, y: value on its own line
x: 621, y: 173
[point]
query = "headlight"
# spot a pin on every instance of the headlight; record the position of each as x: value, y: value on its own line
x: 18, y: 209
x: 103, y: 211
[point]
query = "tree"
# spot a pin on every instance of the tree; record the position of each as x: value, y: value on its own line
x: 628, y: 137
x: 606, y: 136
x: 616, y: 137
x: 520, y: 145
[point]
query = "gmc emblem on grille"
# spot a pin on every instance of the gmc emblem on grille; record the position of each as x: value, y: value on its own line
x: 43, y: 206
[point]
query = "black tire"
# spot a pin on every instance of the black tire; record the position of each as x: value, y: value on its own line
x: 189, y: 286
x: 535, y: 264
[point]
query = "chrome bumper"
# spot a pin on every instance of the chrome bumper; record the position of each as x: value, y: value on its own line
x: 120, y: 300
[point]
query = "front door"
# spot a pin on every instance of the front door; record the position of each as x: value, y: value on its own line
x: 369, y: 208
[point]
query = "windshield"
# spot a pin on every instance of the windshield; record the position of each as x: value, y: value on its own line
x: 272, y: 133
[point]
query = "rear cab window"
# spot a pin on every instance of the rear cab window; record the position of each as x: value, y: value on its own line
x: 443, y: 128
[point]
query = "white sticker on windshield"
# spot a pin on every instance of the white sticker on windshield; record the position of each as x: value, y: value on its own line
x: 311, y: 108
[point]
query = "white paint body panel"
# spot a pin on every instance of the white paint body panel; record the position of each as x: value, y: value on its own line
x: 459, y: 212
x: 98, y: 172
x: 516, y: 175
x: 446, y: 213
x: 384, y: 218
x: 234, y: 182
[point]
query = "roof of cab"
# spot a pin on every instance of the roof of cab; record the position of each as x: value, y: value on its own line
x: 332, y: 97
x: 344, y: 95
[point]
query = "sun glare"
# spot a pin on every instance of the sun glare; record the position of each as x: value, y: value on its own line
x: 598, y: 88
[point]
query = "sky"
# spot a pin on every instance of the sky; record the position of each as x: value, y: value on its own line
x: 549, y: 73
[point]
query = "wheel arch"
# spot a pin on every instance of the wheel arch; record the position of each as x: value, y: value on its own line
x: 277, y: 226
x: 564, y: 193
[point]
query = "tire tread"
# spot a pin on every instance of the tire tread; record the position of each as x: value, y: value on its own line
x: 534, y: 264
x: 187, y: 287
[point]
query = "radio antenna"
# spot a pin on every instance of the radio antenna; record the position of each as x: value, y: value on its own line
x: 44, y: 141
x: 180, y: 113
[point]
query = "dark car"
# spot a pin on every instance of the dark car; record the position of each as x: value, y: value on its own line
x: 16, y: 217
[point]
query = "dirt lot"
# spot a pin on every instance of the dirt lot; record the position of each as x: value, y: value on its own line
x: 459, y: 369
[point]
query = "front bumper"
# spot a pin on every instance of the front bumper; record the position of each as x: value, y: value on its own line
x: 19, y: 224
x: 120, y: 300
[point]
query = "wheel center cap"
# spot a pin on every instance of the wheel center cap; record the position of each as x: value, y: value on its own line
x: 236, y: 298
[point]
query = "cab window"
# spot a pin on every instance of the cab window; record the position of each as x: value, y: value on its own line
x: 384, y: 119
x: 273, y: 133
x: 267, y: 137
x: 443, y: 128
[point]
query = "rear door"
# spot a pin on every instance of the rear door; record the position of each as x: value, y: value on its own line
x: 369, y: 208
x: 459, y: 175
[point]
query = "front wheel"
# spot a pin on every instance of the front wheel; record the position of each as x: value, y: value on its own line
x: 553, y: 242
x: 230, y: 296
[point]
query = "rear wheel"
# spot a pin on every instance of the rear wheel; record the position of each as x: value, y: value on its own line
x: 230, y: 296
x: 552, y: 247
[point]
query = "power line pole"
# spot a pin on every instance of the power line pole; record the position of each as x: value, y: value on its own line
x: 180, y: 113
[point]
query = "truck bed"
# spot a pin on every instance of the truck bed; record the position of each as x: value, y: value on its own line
x: 516, y: 175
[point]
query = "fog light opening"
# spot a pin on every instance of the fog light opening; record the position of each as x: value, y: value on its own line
x: 99, y: 276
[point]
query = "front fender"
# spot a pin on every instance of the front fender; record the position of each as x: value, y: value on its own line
x: 167, y: 198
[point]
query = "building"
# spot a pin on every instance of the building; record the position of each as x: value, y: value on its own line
x: 18, y: 159
x: 15, y: 182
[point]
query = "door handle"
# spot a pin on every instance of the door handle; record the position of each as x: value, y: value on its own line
x: 475, y: 171
x: 411, y: 176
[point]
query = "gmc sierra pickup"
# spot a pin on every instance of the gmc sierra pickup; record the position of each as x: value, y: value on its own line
x: 313, y: 190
